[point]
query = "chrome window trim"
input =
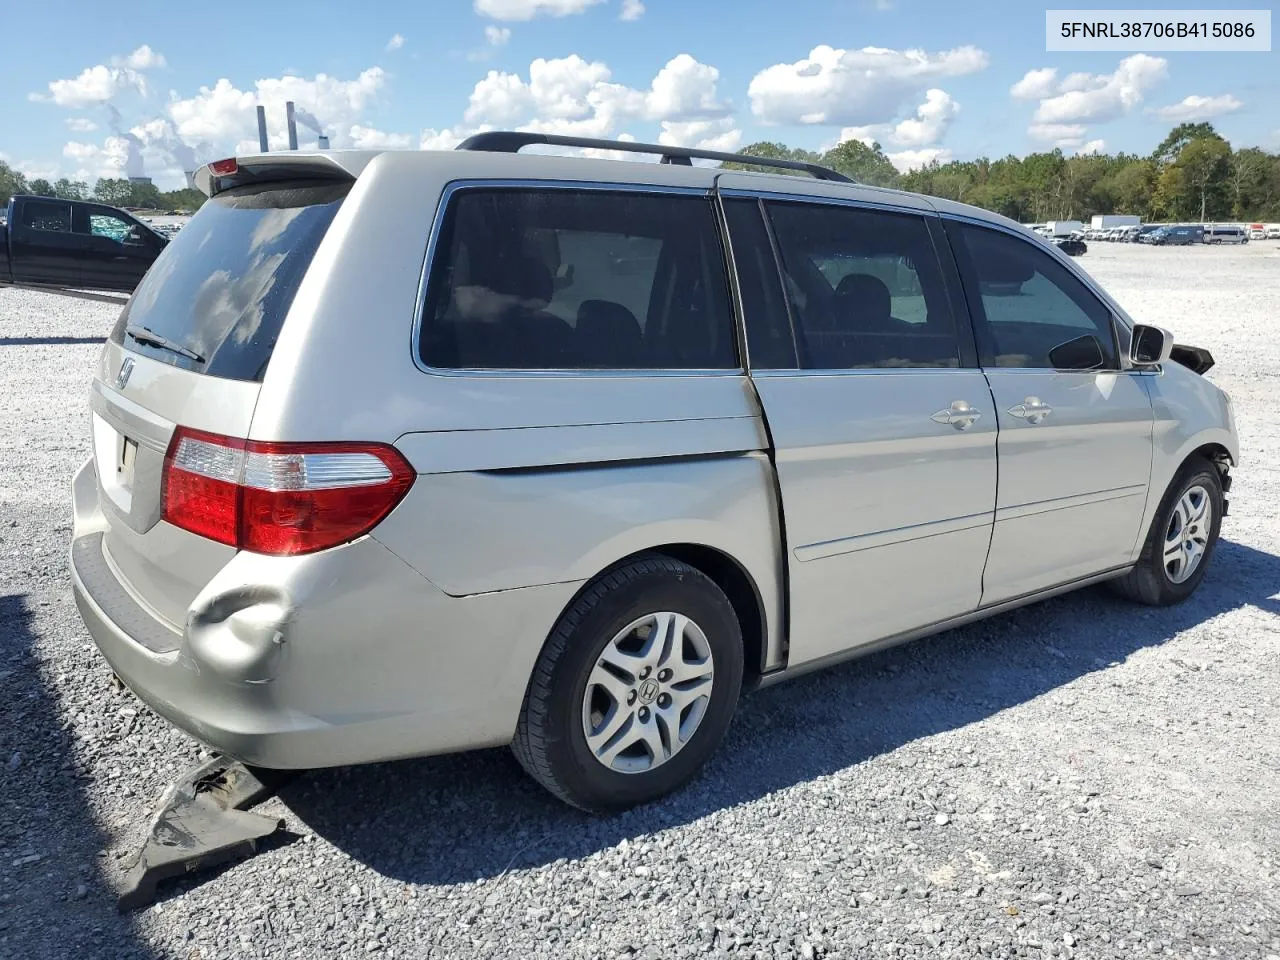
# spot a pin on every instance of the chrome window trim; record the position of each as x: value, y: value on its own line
x: 834, y: 201
x: 437, y: 225
x: 778, y: 373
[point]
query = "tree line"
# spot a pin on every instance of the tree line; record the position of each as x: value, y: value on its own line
x: 117, y: 192
x: 1193, y: 175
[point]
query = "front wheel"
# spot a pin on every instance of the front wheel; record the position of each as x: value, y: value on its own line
x: 1181, y: 540
x: 635, y: 687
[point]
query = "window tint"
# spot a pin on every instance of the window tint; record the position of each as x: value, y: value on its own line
x: 560, y: 279
x: 865, y: 288
x: 769, y: 339
x: 55, y: 217
x: 104, y: 225
x: 1032, y: 303
x: 222, y: 287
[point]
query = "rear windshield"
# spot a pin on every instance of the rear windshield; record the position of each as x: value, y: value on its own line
x: 221, y: 289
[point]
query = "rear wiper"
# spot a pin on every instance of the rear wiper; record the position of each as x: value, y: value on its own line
x: 146, y: 335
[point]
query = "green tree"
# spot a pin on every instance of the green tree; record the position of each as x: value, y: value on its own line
x: 772, y: 151
x: 40, y: 187
x: 1204, y: 163
x: 114, y: 191
x: 866, y: 164
x: 187, y: 198
x: 11, y: 182
x: 1179, y: 137
x: 66, y: 189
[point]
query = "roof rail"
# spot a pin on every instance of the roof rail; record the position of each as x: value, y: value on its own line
x: 510, y: 141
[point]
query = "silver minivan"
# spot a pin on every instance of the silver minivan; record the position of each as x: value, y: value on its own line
x: 405, y: 453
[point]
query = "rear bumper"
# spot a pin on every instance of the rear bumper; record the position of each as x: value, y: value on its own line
x: 345, y: 656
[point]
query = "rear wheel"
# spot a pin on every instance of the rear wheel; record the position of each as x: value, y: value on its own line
x: 1181, y: 540
x: 635, y: 687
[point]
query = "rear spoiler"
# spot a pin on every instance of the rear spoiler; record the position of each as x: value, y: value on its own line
x: 213, y: 178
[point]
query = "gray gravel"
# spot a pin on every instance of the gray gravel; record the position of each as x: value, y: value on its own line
x: 1079, y: 778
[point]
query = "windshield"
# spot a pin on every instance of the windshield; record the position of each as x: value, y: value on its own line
x: 222, y: 287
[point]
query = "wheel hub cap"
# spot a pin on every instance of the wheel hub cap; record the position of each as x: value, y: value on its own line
x: 1187, y: 536
x: 648, y: 692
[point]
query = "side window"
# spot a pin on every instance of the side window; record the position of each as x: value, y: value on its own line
x: 529, y: 279
x: 52, y: 217
x: 1034, y: 312
x: 865, y: 288
x: 104, y: 225
x: 770, y: 342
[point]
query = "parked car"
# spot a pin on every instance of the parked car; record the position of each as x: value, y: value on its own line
x: 1072, y: 246
x: 1145, y: 231
x: 1177, y: 236
x: 1219, y: 233
x: 74, y: 244
x: 414, y: 452
x: 1257, y: 231
x: 1272, y: 231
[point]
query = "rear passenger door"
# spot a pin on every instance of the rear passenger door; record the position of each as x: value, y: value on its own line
x: 1075, y: 429
x: 881, y: 423
x: 43, y: 247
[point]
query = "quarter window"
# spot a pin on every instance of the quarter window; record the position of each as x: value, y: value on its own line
x: 865, y: 288
x: 574, y: 279
x: 1034, y: 312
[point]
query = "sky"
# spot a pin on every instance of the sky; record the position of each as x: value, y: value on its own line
x: 148, y: 88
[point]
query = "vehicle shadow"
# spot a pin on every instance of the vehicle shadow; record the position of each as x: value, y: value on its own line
x: 458, y: 818
x: 54, y: 902
x: 48, y: 341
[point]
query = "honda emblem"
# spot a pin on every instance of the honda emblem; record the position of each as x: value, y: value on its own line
x: 122, y: 377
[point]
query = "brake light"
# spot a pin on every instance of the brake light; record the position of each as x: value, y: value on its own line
x: 280, y: 498
x: 224, y: 168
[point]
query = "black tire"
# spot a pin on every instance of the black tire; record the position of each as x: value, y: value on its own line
x: 550, y: 742
x: 1149, y: 581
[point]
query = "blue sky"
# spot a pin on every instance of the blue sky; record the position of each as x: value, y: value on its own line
x: 153, y: 87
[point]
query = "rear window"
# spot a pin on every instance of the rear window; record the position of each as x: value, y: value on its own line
x: 223, y: 286
x: 553, y: 279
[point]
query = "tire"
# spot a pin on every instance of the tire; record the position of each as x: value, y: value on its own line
x: 1151, y: 581
x: 551, y: 740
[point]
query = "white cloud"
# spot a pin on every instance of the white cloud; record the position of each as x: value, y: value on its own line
x: 930, y: 124
x: 528, y: 9
x: 1036, y: 85
x: 721, y: 134
x: 370, y: 138
x: 1085, y: 97
x: 144, y: 58
x: 572, y: 96
x: 396, y: 42
x: 1199, y: 108
x: 1068, y: 136
x: 108, y: 160
x: 94, y: 85
x: 631, y: 10
x: 433, y: 139
x: 81, y: 124
x: 496, y: 36
x: 1092, y: 147
x: 853, y: 87
x: 906, y: 160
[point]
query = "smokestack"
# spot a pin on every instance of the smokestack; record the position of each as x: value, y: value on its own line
x: 262, y: 128
x: 322, y: 142
x: 292, y: 125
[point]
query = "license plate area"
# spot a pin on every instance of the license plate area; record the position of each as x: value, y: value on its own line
x: 128, y: 457
x: 115, y: 456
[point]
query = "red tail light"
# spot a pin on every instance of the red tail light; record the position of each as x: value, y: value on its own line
x: 224, y: 168
x: 280, y: 498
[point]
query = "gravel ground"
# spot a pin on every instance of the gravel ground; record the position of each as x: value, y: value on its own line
x: 1079, y: 778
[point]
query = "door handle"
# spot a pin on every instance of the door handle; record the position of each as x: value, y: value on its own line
x: 1032, y: 410
x: 960, y: 415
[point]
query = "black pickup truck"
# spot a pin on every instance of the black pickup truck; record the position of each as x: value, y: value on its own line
x: 75, y: 244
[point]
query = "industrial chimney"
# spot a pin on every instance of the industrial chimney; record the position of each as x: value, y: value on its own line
x: 322, y: 142
x: 262, y: 129
x: 292, y: 125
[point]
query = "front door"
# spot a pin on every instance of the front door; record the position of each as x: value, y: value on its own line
x: 1075, y: 429
x: 115, y: 257
x: 882, y: 426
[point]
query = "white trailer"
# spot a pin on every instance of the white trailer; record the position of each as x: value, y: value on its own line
x: 1107, y: 221
x: 1063, y: 228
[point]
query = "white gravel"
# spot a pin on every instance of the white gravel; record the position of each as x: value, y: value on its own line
x: 1079, y: 778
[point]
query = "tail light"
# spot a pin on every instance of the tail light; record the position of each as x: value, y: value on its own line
x: 280, y: 498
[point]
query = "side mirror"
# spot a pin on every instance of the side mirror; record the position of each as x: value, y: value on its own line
x: 1082, y: 353
x: 1150, y: 345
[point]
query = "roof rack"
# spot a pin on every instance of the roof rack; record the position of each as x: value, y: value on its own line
x: 510, y: 141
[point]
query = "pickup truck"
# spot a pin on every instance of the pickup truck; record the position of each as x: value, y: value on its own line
x: 74, y: 244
